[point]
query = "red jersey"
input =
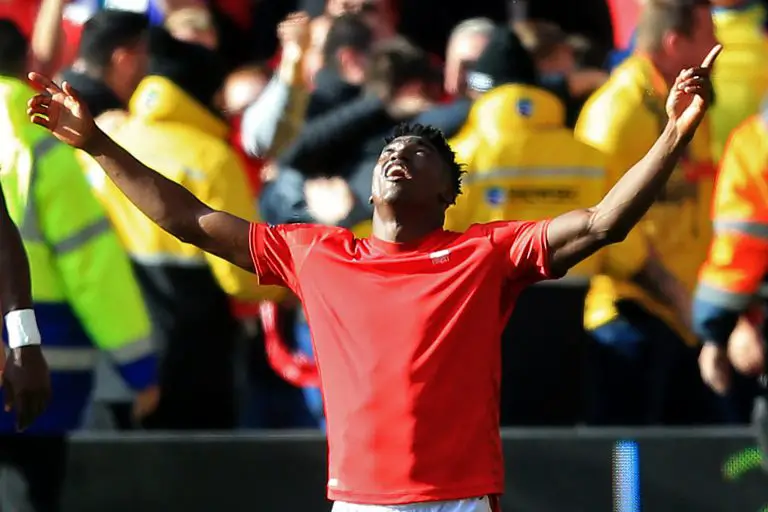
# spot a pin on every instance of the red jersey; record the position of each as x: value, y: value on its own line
x: 407, y: 343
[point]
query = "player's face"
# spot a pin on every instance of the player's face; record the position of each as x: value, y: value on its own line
x: 411, y: 170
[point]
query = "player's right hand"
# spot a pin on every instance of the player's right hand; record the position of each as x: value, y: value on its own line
x: 60, y: 110
x: 26, y: 384
x: 715, y: 368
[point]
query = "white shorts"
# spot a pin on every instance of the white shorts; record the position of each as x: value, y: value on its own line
x: 467, y: 505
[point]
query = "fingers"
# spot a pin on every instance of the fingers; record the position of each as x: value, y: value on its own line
x: 39, y: 105
x: 40, y: 112
x: 693, y: 85
x: 70, y: 91
x: 711, y: 56
x: 43, y: 83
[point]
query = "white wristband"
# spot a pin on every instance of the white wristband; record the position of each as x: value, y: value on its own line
x: 22, y: 328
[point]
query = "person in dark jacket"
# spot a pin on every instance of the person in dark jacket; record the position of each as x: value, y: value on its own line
x: 504, y: 60
x: 111, y: 60
x: 345, y: 56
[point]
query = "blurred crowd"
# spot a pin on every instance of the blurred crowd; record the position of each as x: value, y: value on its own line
x: 285, y: 125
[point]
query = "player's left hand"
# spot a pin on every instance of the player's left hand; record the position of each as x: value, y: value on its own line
x: 691, y: 94
x: 27, y: 384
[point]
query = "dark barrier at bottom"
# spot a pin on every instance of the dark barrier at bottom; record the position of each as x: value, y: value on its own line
x: 623, y: 471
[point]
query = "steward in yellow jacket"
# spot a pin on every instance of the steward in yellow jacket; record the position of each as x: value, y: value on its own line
x: 741, y: 77
x: 85, y: 294
x: 734, y: 277
x: 641, y: 326
x: 172, y: 128
x: 523, y: 163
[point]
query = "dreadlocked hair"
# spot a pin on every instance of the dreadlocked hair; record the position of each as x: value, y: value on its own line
x: 437, y: 140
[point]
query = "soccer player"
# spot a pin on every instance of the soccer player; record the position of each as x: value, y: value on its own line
x: 25, y: 376
x: 406, y: 323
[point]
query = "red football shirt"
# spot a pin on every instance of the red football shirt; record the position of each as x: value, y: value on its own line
x: 407, y: 342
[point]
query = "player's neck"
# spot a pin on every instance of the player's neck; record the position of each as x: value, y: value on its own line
x: 389, y: 227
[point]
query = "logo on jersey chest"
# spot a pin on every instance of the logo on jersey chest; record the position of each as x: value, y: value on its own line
x: 439, y: 257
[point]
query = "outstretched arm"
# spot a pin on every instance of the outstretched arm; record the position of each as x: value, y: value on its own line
x: 168, y: 204
x: 171, y: 206
x: 578, y: 234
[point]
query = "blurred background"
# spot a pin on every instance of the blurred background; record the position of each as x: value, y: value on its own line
x: 180, y: 384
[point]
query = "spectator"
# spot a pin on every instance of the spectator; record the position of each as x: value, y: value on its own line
x: 555, y: 55
x: 512, y: 173
x: 51, y: 26
x: 741, y: 77
x: 84, y: 290
x: 729, y: 305
x: 643, y: 363
x: 345, y: 57
x: 273, y: 121
x: 400, y: 75
x: 318, y: 31
x: 379, y: 15
x: 465, y: 45
x: 242, y: 88
x: 174, y: 127
x: 111, y: 60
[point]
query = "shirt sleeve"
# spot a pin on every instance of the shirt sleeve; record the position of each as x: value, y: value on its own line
x: 227, y: 190
x: 278, y: 252
x: 525, y: 248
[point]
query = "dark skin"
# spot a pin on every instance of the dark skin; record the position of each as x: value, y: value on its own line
x: 410, y: 197
x: 25, y: 377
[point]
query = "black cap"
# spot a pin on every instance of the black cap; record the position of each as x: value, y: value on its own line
x: 504, y: 61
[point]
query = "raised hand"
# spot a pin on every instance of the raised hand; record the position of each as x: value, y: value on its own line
x: 60, y: 110
x: 691, y: 94
x: 293, y: 32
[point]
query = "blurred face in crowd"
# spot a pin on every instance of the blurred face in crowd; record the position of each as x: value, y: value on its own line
x: 410, y: 170
x: 241, y: 89
x: 463, y: 50
x: 561, y: 61
x: 377, y: 13
x: 128, y: 68
x: 313, y: 60
x: 352, y: 65
x: 684, y: 51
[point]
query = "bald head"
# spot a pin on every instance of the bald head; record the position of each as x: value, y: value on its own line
x: 467, y: 41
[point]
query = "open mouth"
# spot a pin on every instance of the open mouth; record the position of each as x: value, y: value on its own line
x: 396, y: 171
